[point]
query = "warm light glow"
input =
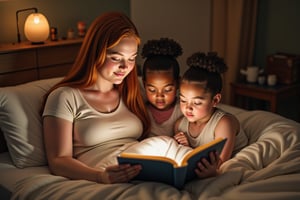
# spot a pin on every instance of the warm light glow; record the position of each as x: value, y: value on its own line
x: 36, y: 19
x: 36, y: 28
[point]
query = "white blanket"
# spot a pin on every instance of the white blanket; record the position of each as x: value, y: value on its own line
x: 268, y: 168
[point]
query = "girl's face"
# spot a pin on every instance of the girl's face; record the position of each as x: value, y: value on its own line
x: 119, y: 61
x: 196, y: 104
x: 160, y: 88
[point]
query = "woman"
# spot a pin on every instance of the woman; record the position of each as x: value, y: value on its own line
x: 97, y: 108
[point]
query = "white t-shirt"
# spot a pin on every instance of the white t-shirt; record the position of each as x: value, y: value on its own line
x: 93, y: 129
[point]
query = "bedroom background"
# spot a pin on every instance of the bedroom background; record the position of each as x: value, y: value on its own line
x: 190, y: 23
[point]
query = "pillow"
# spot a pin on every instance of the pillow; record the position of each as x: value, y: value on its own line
x: 21, y: 123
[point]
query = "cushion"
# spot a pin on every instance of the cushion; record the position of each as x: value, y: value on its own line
x: 21, y: 123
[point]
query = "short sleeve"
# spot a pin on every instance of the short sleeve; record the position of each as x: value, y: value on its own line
x: 61, y: 103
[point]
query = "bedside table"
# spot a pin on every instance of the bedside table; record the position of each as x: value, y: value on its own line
x: 272, y: 95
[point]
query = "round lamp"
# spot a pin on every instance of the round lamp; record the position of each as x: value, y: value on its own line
x: 36, y: 28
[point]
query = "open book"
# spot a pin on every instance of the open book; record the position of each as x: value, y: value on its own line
x: 173, y: 171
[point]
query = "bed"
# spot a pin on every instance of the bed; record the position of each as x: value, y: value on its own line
x: 267, y: 168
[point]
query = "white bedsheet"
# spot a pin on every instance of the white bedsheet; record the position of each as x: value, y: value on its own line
x: 10, y: 174
x: 268, y: 168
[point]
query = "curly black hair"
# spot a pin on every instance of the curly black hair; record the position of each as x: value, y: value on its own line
x: 211, y: 62
x: 205, y: 69
x: 161, y: 55
x: 163, y: 46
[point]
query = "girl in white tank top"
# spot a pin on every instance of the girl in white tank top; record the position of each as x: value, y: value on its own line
x: 200, y: 92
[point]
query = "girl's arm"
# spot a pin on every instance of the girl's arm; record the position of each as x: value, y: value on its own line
x: 228, y: 127
x: 180, y: 136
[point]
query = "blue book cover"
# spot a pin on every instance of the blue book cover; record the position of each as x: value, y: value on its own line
x: 167, y: 170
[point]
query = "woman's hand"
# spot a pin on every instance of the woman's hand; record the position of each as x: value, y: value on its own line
x: 181, y: 139
x: 208, y: 169
x: 119, y: 173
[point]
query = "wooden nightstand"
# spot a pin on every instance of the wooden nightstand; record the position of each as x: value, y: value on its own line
x: 24, y: 62
x: 253, y: 96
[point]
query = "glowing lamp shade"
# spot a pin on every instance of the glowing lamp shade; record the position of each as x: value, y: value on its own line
x: 36, y: 28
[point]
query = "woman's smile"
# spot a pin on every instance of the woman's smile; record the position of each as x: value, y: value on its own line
x: 120, y: 74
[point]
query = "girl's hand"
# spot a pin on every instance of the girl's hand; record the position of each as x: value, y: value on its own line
x: 181, y: 139
x: 119, y: 173
x: 208, y: 169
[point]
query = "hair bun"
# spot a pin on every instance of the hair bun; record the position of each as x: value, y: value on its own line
x: 162, y: 47
x: 210, y: 62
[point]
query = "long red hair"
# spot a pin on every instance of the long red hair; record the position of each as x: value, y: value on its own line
x: 105, y: 32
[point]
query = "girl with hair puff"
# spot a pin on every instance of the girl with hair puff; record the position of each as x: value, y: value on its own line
x: 202, y: 122
x: 97, y: 108
x: 160, y: 79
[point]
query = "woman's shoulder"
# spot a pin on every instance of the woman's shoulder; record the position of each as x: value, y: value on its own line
x: 64, y: 94
x: 64, y: 90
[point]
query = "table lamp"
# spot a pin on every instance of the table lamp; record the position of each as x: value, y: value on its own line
x: 36, y: 28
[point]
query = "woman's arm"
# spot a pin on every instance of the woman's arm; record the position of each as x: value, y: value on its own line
x: 58, y: 139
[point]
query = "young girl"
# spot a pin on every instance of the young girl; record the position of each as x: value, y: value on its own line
x: 200, y: 93
x: 160, y: 79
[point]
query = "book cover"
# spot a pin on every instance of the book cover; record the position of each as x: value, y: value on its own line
x: 167, y: 170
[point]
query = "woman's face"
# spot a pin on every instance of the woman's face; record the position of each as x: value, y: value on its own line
x: 195, y: 103
x: 160, y: 88
x: 119, y: 61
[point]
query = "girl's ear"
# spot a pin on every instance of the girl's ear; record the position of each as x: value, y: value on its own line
x: 217, y: 99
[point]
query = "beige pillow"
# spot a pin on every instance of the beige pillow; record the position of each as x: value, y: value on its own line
x: 20, y: 121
